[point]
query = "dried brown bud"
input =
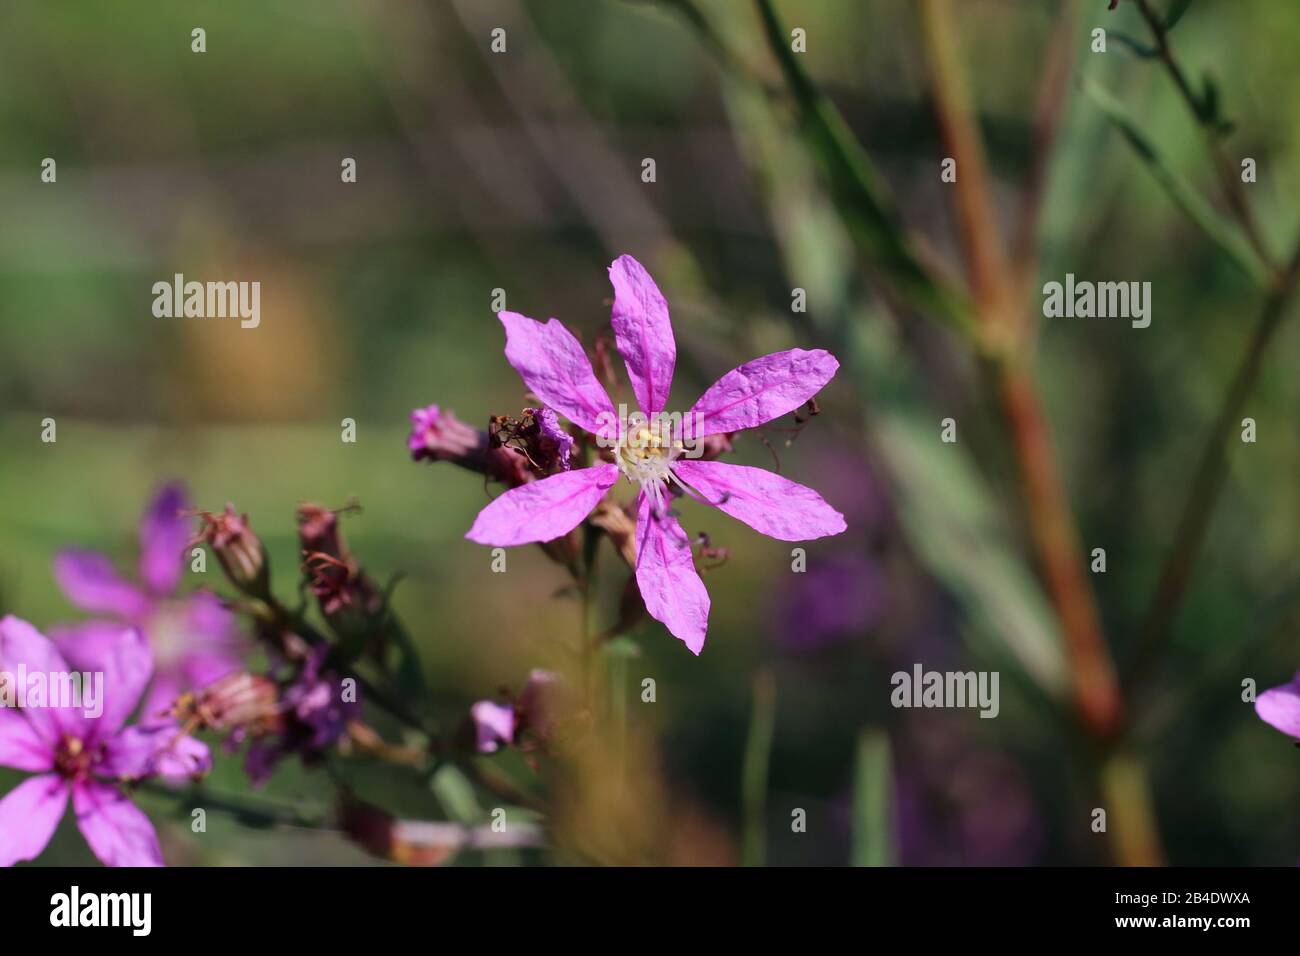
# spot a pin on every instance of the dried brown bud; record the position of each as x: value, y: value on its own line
x: 238, y: 549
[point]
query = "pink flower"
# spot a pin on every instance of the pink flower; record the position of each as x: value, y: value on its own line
x: 655, y: 458
x: 194, y: 638
x: 80, y: 756
x: 529, y: 721
x: 1280, y: 707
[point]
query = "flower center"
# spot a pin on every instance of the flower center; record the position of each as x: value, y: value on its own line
x: 646, y: 457
x: 170, y: 632
x: 73, y: 760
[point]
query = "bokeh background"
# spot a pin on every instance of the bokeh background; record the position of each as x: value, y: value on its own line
x: 522, y: 171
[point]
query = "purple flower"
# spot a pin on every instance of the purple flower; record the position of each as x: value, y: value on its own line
x: 441, y: 436
x: 494, y: 725
x: 75, y: 755
x: 1280, y: 707
x: 315, y: 710
x: 194, y: 638
x: 555, y: 368
x: 530, y: 721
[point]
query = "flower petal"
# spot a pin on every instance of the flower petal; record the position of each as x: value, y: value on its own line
x: 1280, y: 707
x: 542, y: 510
x: 672, y: 590
x: 90, y: 582
x: 117, y: 830
x: 21, y: 645
x: 768, y: 503
x: 29, y: 815
x: 556, y: 369
x: 160, y: 750
x: 125, y: 659
x: 164, y: 532
x: 643, y: 333
x: 21, y: 747
x: 761, y: 390
x: 494, y: 725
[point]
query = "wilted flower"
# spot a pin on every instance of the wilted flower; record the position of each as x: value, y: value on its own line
x: 194, y: 638
x: 1280, y: 707
x: 315, y: 709
x: 244, y: 704
x: 335, y: 577
x: 438, y: 435
x: 538, y: 437
x: 555, y: 368
x: 238, y: 549
x: 83, y: 757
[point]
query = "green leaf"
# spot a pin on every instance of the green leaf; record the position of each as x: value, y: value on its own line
x: 1139, y: 49
x: 953, y: 523
x: 456, y: 795
x: 873, y: 802
x: 1223, y: 233
x: 1176, y: 11
x: 858, y: 189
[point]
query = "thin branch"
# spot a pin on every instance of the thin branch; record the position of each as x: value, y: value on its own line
x: 982, y: 245
x: 1229, y: 180
x: 1053, y: 86
x: 859, y: 191
x: 1208, y: 481
x: 1056, y: 541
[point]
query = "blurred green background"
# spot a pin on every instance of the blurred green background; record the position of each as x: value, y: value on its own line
x: 521, y: 171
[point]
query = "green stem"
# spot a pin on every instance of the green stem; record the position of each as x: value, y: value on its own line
x: 758, y: 749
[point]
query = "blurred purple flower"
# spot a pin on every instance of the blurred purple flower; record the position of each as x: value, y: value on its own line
x: 194, y: 638
x: 838, y: 597
x: 960, y: 803
x: 529, y: 721
x: 314, y: 712
x: 494, y: 725
x: 84, y: 757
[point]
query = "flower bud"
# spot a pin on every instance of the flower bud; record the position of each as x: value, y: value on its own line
x: 438, y: 435
x: 238, y: 549
x: 334, y: 576
x: 441, y: 436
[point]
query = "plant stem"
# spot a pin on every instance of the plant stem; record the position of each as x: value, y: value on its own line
x: 252, y: 811
x: 1229, y: 181
x: 758, y: 749
x: 1003, y: 322
x: 1134, y: 836
x: 859, y: 190
x: 1208, y: 481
